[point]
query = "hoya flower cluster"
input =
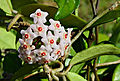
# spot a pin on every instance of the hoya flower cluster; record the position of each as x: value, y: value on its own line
x: 41, y: 43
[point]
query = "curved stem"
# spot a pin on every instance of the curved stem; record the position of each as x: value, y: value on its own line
x: 13, y: 21
x: 60, y: 68
x: 64, y: 78
x: 64, y: 73
x: 54, y: 76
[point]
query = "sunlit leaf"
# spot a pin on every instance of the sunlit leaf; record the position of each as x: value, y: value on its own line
x: 77, y: 68
x: 66, y: 7
x: 94, y: 51
x: 102, y: 37
x: 6, y: 6
x: 75, y: 77
x: 7, y: 39
x: 116, y: 74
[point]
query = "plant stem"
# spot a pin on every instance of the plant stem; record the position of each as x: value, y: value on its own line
x: 64, y: 73
x: 88, y: 72
x: 13, y: 21
x: 107, y: 64
x: 89, y: 25
x: 91, y: 22
x: 64, y: 78
x: 94, y: 9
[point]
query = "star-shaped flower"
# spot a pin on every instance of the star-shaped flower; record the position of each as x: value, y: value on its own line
x: 28, y: 35
x: 42, y: 53
x: 39, y: 16
x: 52, y: 39
x: 39, y: 29
x: 25, y: 46
x: 55, y: 26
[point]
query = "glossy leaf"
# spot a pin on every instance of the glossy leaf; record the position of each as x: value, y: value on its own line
x: 75, y: 77
x: 77, y: 68
x: 116, y: 74
x: 79, y: 45
x: 108, y: 58
x: 66, y: 7
x: 37, y: 77
x: 26, y: 69
x: 109, y: 15
x: 92, y: 52
x: 6, y: 6
x: 72, y: 52
x: 116, y: 33
x: 76, y: 21
x: 105, y: 59
x: 7, y: 39
x: 11, y: 62
x: 102, y: 37
x: 19, y: 3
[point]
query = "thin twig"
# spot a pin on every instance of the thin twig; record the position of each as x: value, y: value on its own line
x: 13, y: 21
x: 108, y: 63
x: 93, y: 21
x: 64, y: 73
x: 88, y: 72
x: 94, y: 9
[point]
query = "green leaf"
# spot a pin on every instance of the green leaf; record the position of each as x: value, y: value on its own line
x: 79, y: 44
x: 11, y: 62
x: 76, y: 21
x: 19, y: 3
x: 92, y: 52
x: 102, y: 37
x: 75, y: 77
x: 105, y: 59
x: 37, y: 77
x: 7, y: 39
x: 26, y: 69
x: 77, y: 68
x: 72, y: 51
x: 108, y: 58
x: 116, y: 33
x: 6, y: 6
x: 66, y: 7
x: 116, y: 74
x: 108, y: 15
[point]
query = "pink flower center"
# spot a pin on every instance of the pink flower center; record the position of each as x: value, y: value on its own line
x: 58, y: 52
x: 57, y: 25
x: 51, y: 41
x: 26, y: 36
x: 29, y: 58
x: 38, y: 14
x: 65, y: 35
x: 46, y: 61
x: 43, y: 53
x: 66, y: 47
x: 40, y: 29
x: 25, y: 46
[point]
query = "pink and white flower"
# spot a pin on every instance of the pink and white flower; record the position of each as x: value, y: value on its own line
x: 39, y: 16
x: 41, y: 43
